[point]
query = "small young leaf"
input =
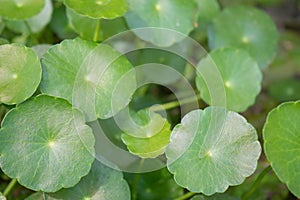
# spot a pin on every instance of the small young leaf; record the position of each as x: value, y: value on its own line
x: 177, y: 15
x: 86, y: 75
x: 101, y: 183
x: 20, y: 73
x: 154, y: 135
x: 281, y: 135
x: 45, y: 144
x: 20, y: 9
x: 241, y: 76
x: 107, y: 9
x: 219, y: 148
x: 247, y: 28
x: 34, y: 24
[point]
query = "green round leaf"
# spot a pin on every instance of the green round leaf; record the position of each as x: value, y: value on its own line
x: 20, y: 73
x: 241, y: 76
x: 154, y: 135
x: 219, y: 147
x: 247, y: 28
x: 177, y: 15
x: 45, y: 144
x: 101, y: 183
x: 34, y: 24
x: 107, y: 9
x: 20, y: 9
x: 71, y: 70
x: 281, y: 135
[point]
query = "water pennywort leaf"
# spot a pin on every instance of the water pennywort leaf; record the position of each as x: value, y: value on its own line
x: 281, y: 135
x: 20, y: 73
x: 219, y: 147
x: 52, y: 146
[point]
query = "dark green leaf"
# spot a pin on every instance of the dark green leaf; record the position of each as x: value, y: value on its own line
x: 247, y: 28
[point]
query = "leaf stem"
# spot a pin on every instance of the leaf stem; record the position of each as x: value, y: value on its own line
x: 257, y: 182
x: 10, y: 187
x: 186, y: 196
x: 174, y: 104
x: 136, y: 180
x: 96, y: 33
x: 31, y: 34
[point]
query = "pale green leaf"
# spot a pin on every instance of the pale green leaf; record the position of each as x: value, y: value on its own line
x: 20, y: 73
x: 241, y: 77
x: 281, y: 135
x: 151, y: 139
x: 52, y: 146
x: 219, y: 147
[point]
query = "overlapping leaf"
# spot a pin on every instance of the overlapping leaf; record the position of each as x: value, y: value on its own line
x: 86, y: 75
x: 101, y: 183
x: 151, y: 139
